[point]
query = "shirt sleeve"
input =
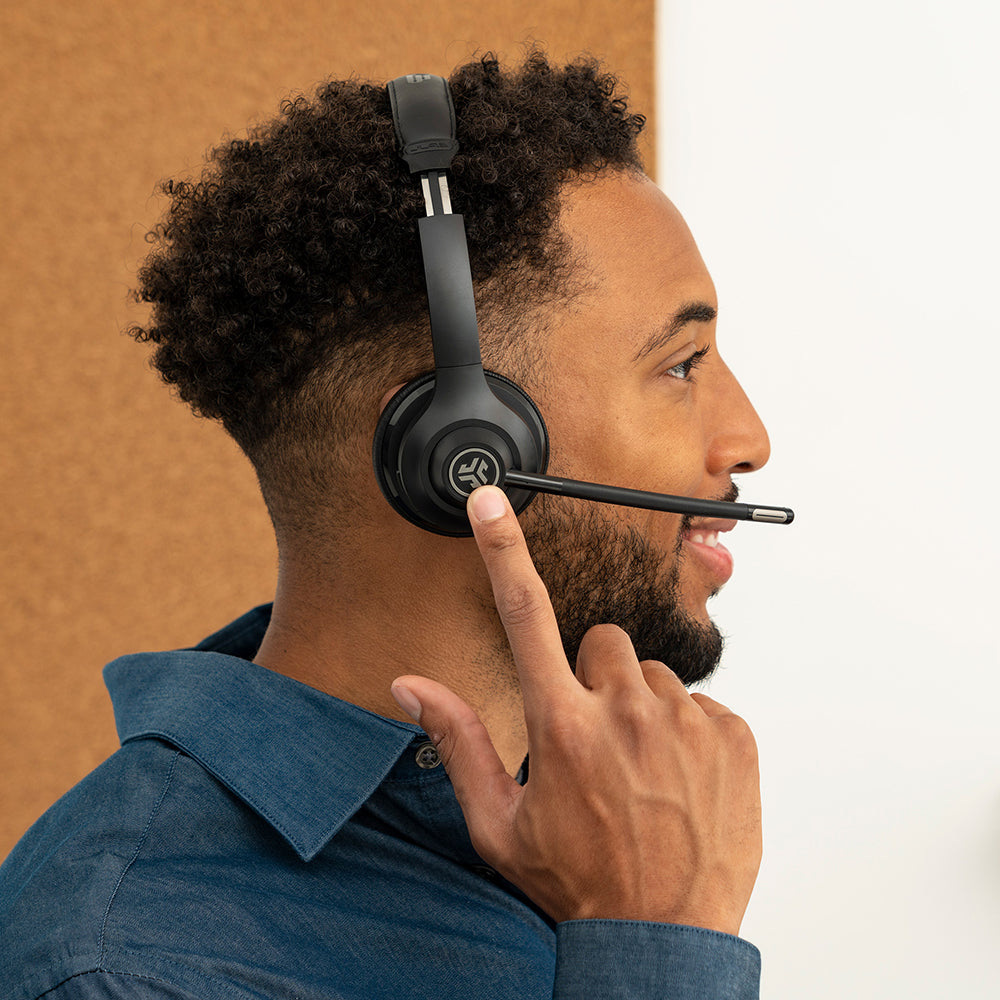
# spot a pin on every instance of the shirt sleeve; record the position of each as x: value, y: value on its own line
x: 115, y: 986
x: 638, y: 960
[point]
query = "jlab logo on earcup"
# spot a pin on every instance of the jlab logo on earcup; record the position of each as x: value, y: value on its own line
x: 472, y: 468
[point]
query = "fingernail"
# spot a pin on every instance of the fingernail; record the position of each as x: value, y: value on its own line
x: 487, y: 504
x: 407, y: 701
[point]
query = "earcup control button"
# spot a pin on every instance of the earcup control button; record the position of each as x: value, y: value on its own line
x: 471, y: 468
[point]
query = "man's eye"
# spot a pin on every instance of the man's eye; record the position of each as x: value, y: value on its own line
x: 687, y: 366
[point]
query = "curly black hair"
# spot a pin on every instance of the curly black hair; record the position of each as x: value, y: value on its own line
x: 286, y: 283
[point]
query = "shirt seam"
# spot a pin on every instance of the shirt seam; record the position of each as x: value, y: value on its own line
x: 685, y: 928
x: 101, y: 947
x: 681, y: 929
x: 106, y: 972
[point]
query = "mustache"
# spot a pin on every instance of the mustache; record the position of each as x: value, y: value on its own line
x: 730, y: 496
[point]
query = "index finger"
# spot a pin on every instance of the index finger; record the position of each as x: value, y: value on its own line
x: 520, y: 596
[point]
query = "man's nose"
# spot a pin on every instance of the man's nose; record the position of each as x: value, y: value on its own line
x: 739, y: 439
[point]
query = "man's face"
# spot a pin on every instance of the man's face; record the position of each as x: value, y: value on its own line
x: 635, y: 393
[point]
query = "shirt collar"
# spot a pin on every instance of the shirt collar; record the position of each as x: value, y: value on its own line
x: 303, y: 760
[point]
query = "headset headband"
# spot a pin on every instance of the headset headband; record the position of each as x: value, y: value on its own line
x: 424, y: 116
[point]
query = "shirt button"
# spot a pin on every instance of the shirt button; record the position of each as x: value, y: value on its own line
x: 427, y: 756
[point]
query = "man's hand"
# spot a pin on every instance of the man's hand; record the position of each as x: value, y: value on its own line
x: 643, y: 801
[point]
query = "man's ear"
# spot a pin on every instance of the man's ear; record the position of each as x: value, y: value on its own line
x: 385, y: 399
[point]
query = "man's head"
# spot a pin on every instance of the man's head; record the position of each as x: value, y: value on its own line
x: 287, y: 286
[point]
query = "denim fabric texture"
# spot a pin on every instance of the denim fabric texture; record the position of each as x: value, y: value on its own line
x: 255, y: 838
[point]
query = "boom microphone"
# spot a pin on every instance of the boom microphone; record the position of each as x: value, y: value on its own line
x: 648, y: 501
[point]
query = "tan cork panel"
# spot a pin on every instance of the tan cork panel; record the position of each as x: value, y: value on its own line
x: 127, y: 524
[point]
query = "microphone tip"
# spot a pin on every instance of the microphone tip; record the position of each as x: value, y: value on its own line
x: 772, y: 515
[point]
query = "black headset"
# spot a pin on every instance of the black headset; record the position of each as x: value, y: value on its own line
x: 459, y: 427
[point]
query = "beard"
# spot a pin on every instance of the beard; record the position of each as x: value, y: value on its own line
x: 600, y: 571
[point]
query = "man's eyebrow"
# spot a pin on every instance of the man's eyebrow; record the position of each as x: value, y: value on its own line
x: 690, y: 312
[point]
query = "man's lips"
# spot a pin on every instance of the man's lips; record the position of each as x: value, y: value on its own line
x: 701, y: 540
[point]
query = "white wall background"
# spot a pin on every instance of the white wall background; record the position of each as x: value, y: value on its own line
x: 839, y: 166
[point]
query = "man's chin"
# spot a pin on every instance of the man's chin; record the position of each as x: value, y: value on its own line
x: 599, y: 571
x: 659, y: 626
x: 692, y: 650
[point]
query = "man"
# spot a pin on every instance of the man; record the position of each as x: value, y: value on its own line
x: 284, y: 827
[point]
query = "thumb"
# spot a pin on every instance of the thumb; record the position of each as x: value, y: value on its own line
x: 485, y: 791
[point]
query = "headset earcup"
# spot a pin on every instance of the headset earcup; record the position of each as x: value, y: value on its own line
x: 397, y: 419
x: 414, y: 497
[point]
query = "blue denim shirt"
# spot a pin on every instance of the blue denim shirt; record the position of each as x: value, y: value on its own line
x: 256, y: 838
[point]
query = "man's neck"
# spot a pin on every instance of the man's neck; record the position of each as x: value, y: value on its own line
x: 351, y: 632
